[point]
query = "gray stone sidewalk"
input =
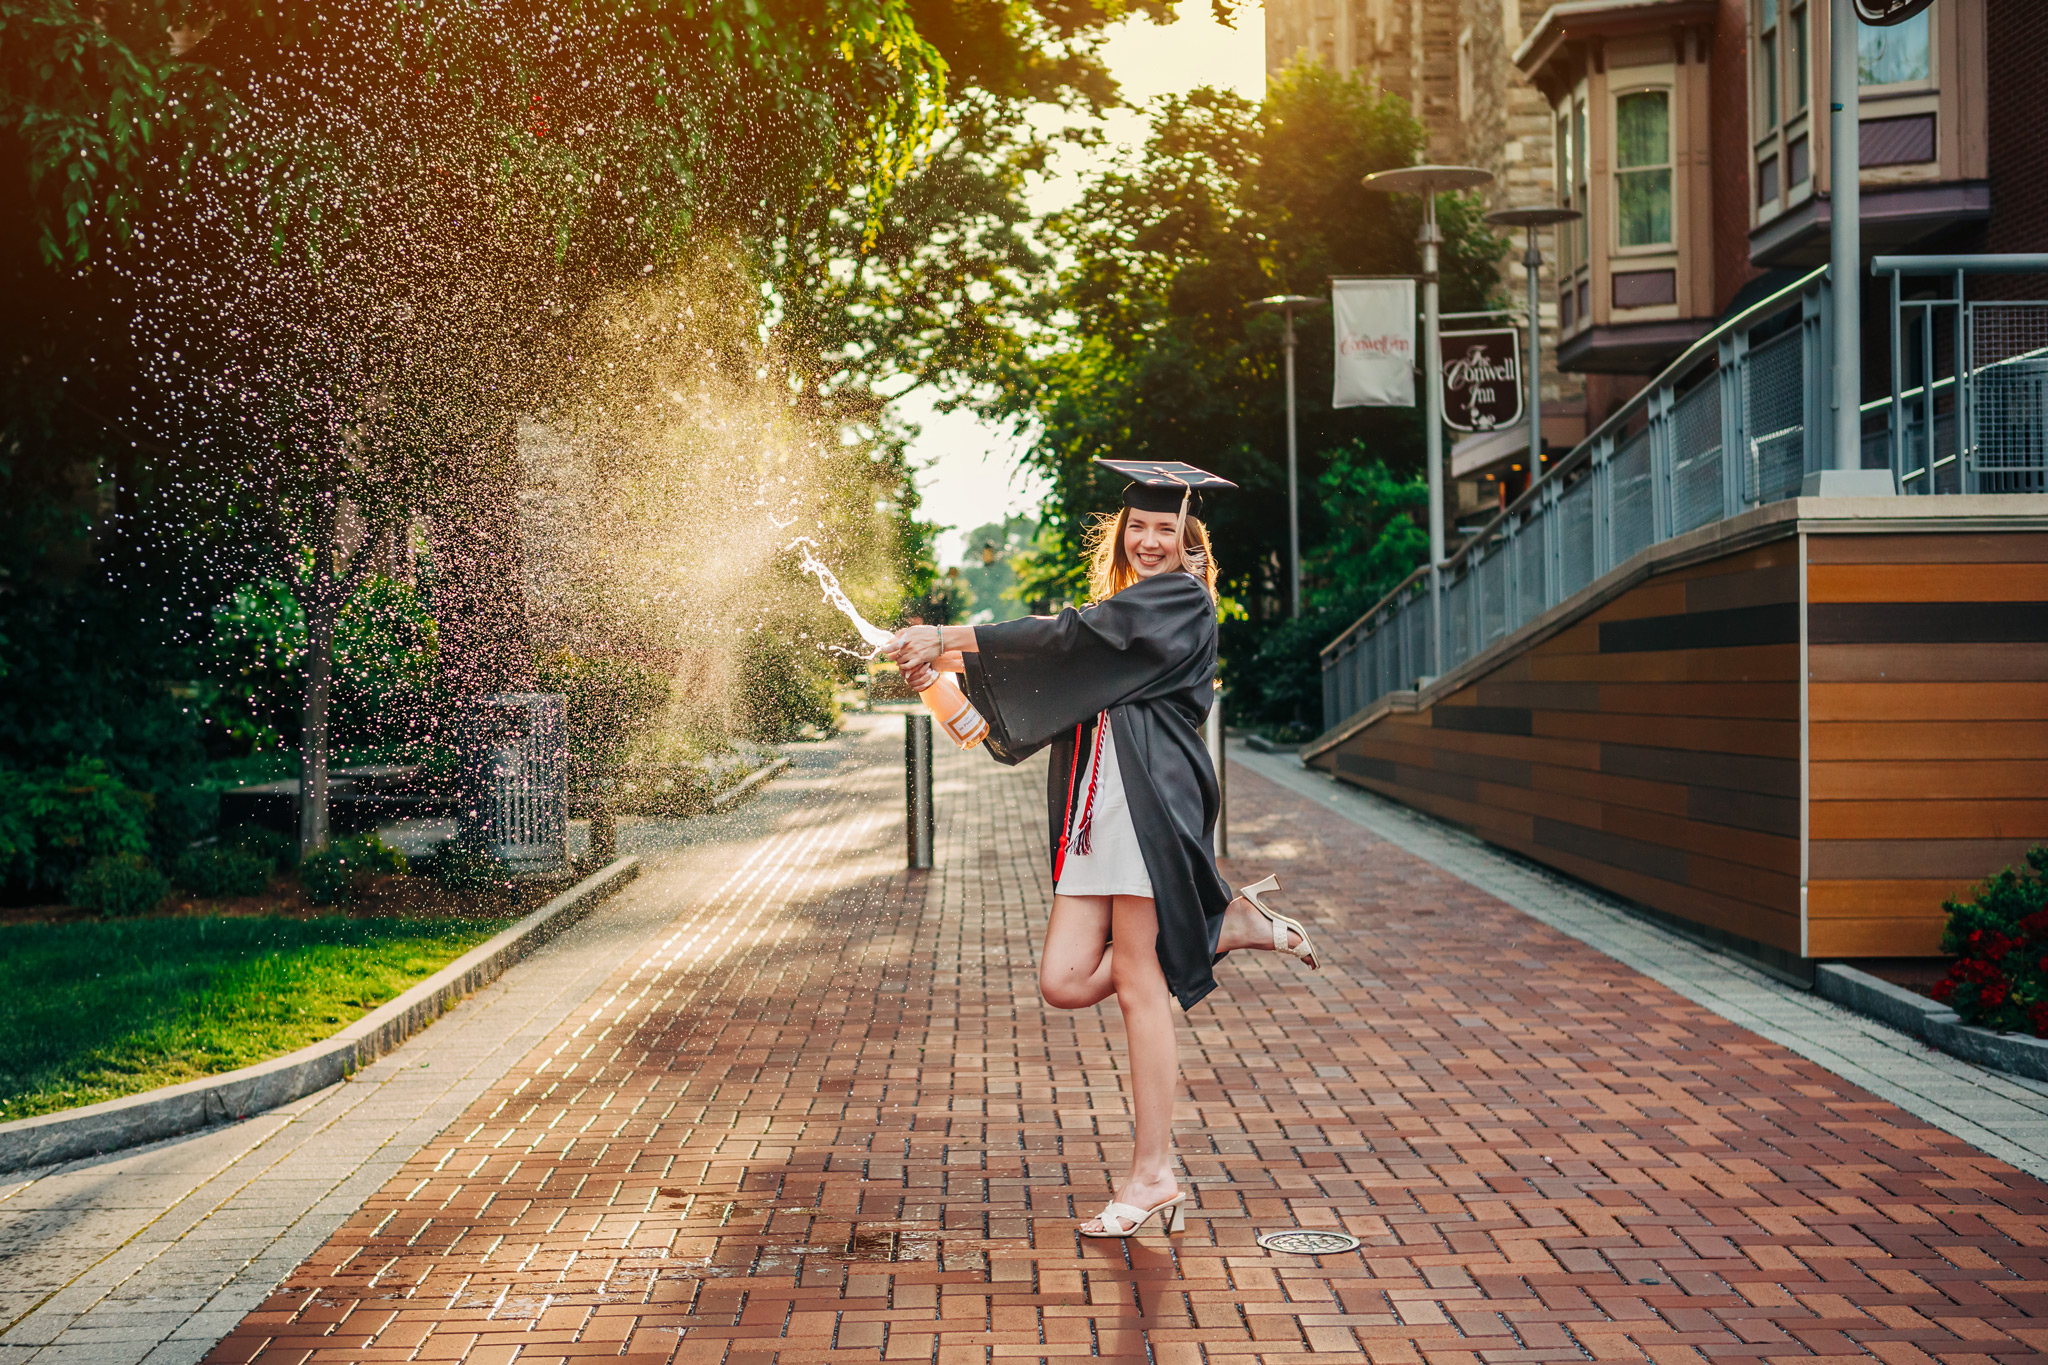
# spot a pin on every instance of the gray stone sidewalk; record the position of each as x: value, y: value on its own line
x: 2006, y: 1116
x: 155, y: 1253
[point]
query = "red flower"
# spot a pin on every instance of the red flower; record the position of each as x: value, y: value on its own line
x: 1943, y: 989
x: 1989, y: 945
x: 1993, y: 995
x: 2037, y: 1018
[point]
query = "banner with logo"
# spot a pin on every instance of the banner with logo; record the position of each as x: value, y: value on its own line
x: 1482, y: 378
x: 1375, y: 329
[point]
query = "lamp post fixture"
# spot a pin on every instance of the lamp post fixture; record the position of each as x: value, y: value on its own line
x: 1285, y: 305
x: 1429, y: 182
x: 1532, y: 218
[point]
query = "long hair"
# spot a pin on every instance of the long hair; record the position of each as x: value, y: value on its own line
x: 1110, y: 570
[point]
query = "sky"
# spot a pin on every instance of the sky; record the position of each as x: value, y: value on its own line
x: 968, y: 472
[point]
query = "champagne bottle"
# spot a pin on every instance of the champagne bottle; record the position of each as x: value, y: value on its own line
x: 954, y: 713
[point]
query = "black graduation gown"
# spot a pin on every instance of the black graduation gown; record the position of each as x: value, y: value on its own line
x: 1148, y: 657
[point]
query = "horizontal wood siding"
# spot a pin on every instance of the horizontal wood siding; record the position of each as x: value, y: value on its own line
x: 1651, y: 748
x: 1928, y: 728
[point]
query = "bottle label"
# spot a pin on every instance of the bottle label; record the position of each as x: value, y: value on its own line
x: 956, y: 716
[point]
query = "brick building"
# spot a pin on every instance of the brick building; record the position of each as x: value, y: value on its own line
x: 1693, y: 135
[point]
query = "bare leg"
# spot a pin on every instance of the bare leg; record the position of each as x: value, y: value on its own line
x: 1074, y: 970
x: 1153, y: 1048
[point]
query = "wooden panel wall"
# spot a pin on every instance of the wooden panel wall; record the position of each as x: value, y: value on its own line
x: 1927, y: 666
x: 1651, y: 748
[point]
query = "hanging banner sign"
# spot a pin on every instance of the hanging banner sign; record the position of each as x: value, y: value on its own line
x: 1375, y: 329
x: 1482, y: 378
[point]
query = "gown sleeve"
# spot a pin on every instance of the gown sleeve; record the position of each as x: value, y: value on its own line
x: 1035, y: 678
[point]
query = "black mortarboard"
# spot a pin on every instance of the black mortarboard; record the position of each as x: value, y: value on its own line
x: 1159, y: 485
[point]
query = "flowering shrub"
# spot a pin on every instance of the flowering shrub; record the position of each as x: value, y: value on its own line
x: 2000, y: 939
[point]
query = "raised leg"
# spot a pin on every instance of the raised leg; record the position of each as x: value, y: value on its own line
x: 1074, y: 970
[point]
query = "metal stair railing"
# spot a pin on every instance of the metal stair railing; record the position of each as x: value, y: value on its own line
x: 1734, y: 422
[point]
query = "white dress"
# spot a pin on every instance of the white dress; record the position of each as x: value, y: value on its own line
x: 1113, y: 865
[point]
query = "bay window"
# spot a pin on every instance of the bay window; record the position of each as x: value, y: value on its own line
x: 1642, y: 168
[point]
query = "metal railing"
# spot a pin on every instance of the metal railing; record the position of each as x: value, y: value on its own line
x: 1732, y: 423
x: 1999, y: 346
x: 1737, y: 421
x: 514, y: 781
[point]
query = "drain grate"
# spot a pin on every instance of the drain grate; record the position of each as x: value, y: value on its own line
x: 1309, y: 1242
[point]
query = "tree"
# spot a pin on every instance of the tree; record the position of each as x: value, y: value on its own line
x: 354, y: 245
x: 356, y: 238
x: 1227, y: 202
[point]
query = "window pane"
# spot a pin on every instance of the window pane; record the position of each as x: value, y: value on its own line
x: 1645, y: 208
x: 1798, y: 55
x: 1767, y: 83
x: 1887, y: 56
x: 1767, y: 15
x: 1581, y: 198
x: 1643, y: 129
x: 1766, y: 180
x: 1564, y: 161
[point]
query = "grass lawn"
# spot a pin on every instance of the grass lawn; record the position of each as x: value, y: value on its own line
x: 95, y: 1009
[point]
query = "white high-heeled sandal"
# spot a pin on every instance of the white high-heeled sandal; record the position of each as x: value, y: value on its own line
x: 1306, y: 949
x: 1124, y: 1220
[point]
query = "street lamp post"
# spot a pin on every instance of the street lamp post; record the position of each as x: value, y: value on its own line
x: 1429, y: 182
x: 1842, y: 474
x: 1532, y: 218
x: 1285, y: 305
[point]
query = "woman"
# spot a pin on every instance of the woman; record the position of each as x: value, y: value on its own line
x: 1120, y: 690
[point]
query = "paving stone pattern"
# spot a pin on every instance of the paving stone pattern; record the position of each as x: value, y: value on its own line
x: 825, y: 1118
x: 152, y: 1254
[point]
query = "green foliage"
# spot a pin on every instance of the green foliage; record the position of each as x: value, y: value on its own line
x: 216, y: 870
x: 610, y: 701
x: 274, y: 847
x: 990, y: 572
x: 82, y: 680
x: 94, y: 1010
x: 2000, y: 938
x: 55, y: 821
x: 785, y: 690
x: 385, y: 650
x: 1376, y: 538
x: 118, y: 885
x: 1232, y: 201
x: 465, y: 871
x: 337, y: 874
x: 847, y: 91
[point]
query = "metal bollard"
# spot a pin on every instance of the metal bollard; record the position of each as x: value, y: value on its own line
x: 920, y: 819
x: 1212, y: 734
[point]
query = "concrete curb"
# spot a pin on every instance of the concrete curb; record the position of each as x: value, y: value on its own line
x: 747, y: 784
x: 177, y: 1109
x: 1931, y: 1021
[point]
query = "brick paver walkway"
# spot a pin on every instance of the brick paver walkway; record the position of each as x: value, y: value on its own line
x: 825, y: 1118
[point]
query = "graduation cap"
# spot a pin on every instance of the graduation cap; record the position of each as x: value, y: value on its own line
x: 1162, y: 485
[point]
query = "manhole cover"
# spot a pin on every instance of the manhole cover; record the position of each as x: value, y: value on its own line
x: 1303, y: 1242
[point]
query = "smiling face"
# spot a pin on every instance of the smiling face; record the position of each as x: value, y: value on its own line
x: 1152, y: 542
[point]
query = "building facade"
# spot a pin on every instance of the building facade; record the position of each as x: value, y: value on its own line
x: 1694, y: 135
x: 1790, y: 722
